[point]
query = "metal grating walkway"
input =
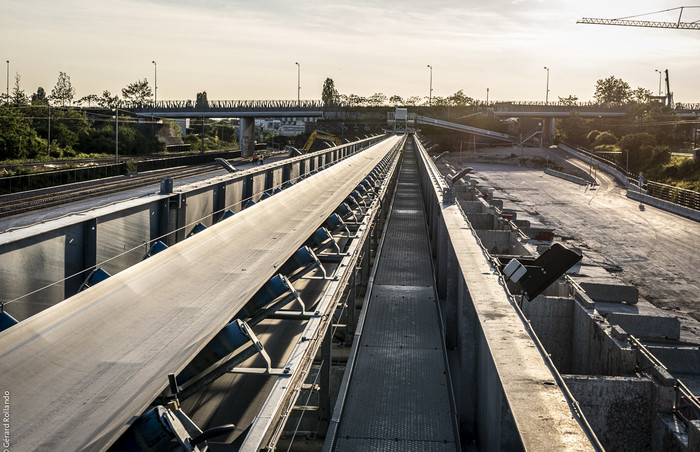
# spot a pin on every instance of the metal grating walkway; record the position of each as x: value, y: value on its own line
x: 398, y: 397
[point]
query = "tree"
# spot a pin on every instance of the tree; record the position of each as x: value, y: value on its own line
x: 329, y: 95
x: 642, y: 95
x: 63, y: 92
x: 571, y: 100
x: 109, y: 101
x: 396, y: 100
x: 459, y: 99
x: 604, y: 138
x: 202, y: 101
x: 573, y: 128
x: 17, y: 138
x: 612, y: 90
x: 376, y: 100
x: 18, y: 97
x: 89, y: 99
x: 39, y: 98
x: 137, y: 93
x: 638, y: 148
x: 413, y: 101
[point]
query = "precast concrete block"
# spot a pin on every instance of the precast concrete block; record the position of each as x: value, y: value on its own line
x: 603, y: 286
x: 642, y: 320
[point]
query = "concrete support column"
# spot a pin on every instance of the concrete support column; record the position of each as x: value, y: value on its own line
x: 246, y: 134
x: 549, y: 125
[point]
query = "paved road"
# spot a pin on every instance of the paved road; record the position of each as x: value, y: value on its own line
x: 650, y: 248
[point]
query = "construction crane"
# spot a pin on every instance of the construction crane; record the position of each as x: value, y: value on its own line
x: 625, y: 21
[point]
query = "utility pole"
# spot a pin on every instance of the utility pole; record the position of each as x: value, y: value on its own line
x: 116, y: 136
x: 48, y: 140
x: 298, y: 83
x: 155, y: 82
x: 430, y: 96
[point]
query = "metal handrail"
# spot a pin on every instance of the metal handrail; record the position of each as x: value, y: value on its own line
x: 686, y: 405
x: 191, y: 105
x: 669, y: 193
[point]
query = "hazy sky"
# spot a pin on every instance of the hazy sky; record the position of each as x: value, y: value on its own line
x: 247, y: 49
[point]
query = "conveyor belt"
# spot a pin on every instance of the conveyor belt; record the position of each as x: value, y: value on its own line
x: 398, y: 397
x: 78, y: 372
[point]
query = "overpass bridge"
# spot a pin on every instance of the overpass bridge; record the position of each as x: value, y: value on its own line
x: 246, y: 110
x: 234, y: 296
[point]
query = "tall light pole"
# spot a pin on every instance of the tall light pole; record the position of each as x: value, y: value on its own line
x: 659, y: 80
x: 298, y: 83
x: 430, y: 96
x: 546, y: 96
x: 7, y: 93
x: 487, y: 96
x: 155, y: 81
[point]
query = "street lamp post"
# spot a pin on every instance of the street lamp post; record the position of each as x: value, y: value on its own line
x: 298, y: 83
x: 487, y: 97
x: 7, y: 93
x: 546, y: 96
x: 116, y: 136
x: 659, y: 80
x: 155, y: 82
x: 430, y: 96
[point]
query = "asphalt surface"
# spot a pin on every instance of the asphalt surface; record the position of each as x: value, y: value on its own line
x: 652, y: 249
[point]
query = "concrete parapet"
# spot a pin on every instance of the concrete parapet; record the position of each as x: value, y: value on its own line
x: 634, y: 193
x: 565, y: 176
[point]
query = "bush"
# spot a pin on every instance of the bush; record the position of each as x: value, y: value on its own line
x: 604, y: 138
x: 592, y: 135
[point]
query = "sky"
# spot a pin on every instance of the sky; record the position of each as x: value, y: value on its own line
x: 235, y: 49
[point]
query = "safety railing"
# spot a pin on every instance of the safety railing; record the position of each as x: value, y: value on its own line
x: 675, y: 195
x: 686, y: 405
x: 238, y: 105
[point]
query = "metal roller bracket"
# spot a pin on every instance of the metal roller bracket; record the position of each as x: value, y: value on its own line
x: 261, y: 350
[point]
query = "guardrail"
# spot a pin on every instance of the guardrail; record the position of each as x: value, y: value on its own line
x: 669, y: 193
x: 675, y: 195
x: 686, y: 405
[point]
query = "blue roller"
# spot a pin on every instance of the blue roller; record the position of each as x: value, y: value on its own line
x: 334, y: 222
x: 148, y: 432
x: 249, y: 203
x: 96, y: 276
x: 344, y: 211
x: 318, y: 238
x: 301, y: 262
x: 277, y: 190
x: 287, y: 184
x: 6, y: 321
x: 227, y: 214
x: 199, y: 227
x: 156, y: 248
x: 265, y: 196
x: 273, y: 288
x: 224, y: 343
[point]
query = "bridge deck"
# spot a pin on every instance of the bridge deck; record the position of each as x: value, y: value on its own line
x: 398, y: 396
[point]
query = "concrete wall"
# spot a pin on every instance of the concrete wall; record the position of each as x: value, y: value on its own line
x: 46, y: 263
x: 618, y: 408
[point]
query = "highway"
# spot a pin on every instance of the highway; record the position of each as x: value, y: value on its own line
x: 647, y: 247
x: 79, y: 371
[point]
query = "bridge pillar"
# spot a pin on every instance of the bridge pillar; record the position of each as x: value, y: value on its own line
x: 246, y: 134
x: 548, y: 131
